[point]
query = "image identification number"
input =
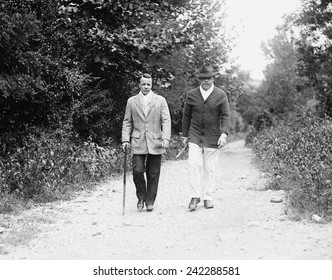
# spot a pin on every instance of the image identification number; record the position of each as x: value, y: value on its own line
x: 226, y: 270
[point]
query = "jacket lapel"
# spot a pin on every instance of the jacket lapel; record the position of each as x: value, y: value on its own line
x: 152, y: 103
x: 210, y: 96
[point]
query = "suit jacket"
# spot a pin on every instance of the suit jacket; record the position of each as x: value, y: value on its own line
x: 204, y: 121
x: 146, y: 132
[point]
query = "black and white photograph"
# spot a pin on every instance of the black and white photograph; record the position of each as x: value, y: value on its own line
x: 165, y: 138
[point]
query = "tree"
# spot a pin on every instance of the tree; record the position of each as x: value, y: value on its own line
x: 204, y: 24
x: 33, y: 81
x: 316, y: 51
x: 282, y: 87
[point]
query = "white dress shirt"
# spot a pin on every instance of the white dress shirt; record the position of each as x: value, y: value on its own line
x: 206, y: 93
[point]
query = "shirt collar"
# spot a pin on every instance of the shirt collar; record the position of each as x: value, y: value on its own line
x: 147, y: 97
x: 207, y: 92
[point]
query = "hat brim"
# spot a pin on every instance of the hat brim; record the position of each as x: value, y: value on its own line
x: 206, y: 75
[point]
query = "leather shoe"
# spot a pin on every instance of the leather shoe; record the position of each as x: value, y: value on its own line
x: 208, y: 204
x: 193, y: 203
x: 140, y: 204
x: 149, y: 207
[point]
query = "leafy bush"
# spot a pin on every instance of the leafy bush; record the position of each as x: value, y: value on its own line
x: 260, y: 122
x: 50, y: 164
x: 299, y: 152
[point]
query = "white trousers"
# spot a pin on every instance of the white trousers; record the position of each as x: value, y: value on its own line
x: 202, y: 164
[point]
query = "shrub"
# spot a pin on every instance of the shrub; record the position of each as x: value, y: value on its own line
x: 298, y: 151
x: 261, y: 121
x: 50, y: 164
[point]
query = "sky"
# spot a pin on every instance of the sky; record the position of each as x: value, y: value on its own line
x: 255, y: 21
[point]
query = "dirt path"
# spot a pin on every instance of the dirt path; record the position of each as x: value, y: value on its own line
x: 243, y: 225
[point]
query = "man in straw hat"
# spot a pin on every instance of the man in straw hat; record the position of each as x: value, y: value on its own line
x: 205, y: 125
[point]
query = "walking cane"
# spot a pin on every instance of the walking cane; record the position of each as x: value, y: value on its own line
x: 182, y: 151
x: 124, y: 180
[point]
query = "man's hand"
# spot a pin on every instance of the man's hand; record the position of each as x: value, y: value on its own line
x: 222, y: 140
x: 184, y: 140
x: 165, y: 143
x: 125, y: 145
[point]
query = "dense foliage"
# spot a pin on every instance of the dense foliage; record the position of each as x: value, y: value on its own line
x: 50, y: 163
x: 33, y: 83
x: 316, y: 52
x: 298, y: 151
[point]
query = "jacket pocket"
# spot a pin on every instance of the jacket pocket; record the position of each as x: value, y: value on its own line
x: 157, y: 140
x: 136, y: 134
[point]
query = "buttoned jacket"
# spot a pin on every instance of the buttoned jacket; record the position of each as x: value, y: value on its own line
x: 204, y: 121
x: 146, y: 131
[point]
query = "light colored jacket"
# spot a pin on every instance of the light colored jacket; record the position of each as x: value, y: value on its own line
x: 146, y: 132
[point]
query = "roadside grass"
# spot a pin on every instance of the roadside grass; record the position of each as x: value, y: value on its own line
x: 297, y: 152
x: 20, y: 229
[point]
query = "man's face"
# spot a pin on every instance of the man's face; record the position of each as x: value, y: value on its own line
x: 206, y: 83
x: 145, y: 85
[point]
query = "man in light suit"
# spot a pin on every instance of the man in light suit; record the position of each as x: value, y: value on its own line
x: 146, y: 129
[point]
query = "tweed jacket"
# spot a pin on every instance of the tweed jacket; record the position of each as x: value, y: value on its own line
x: 146, y: 132
x: 204, y: 121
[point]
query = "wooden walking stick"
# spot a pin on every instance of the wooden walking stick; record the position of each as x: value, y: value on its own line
x: 124, y: 180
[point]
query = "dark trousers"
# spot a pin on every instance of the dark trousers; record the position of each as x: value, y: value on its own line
x: 146, y: 189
